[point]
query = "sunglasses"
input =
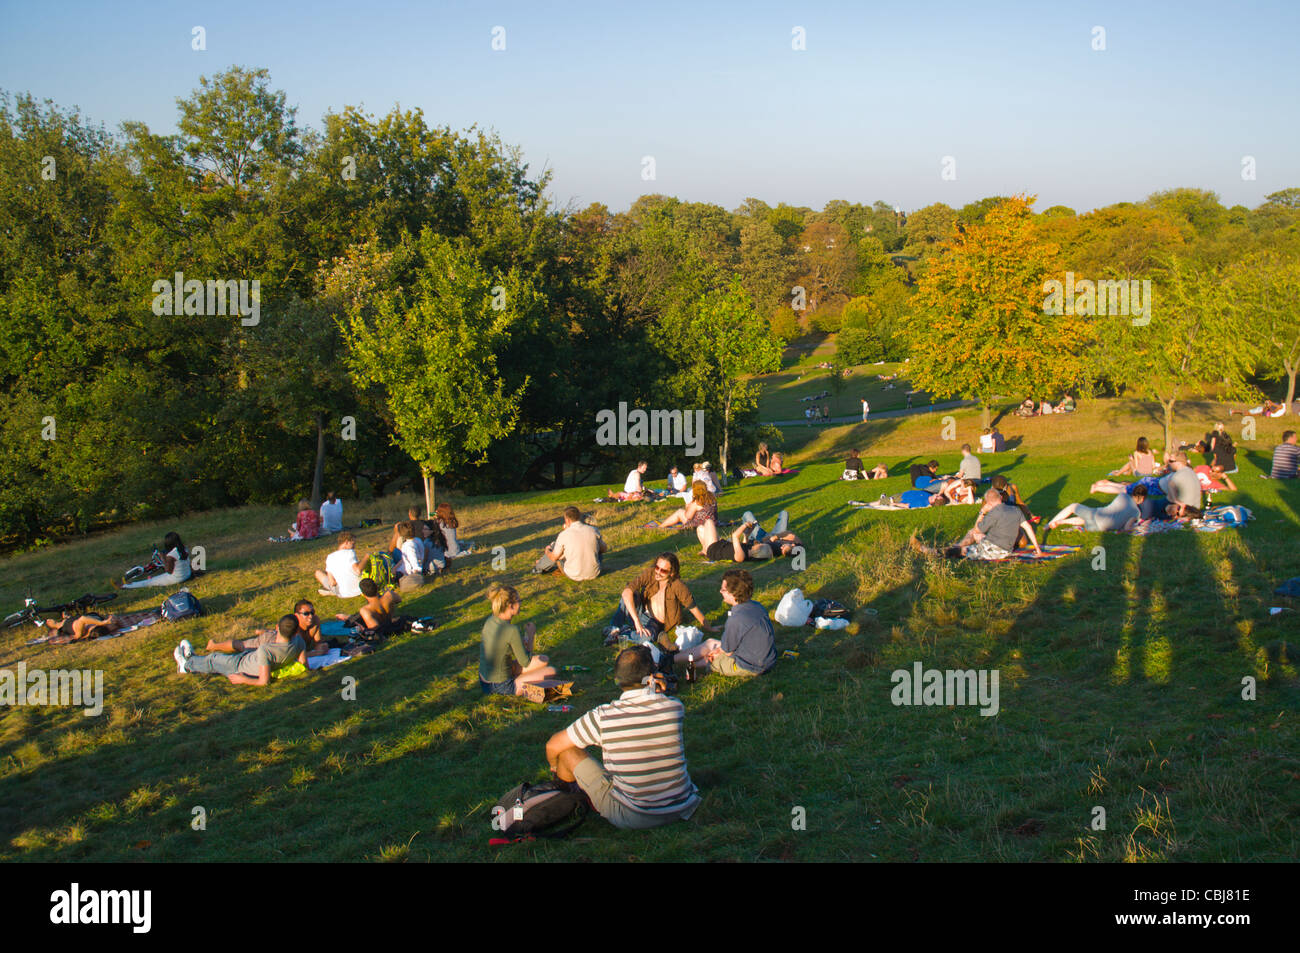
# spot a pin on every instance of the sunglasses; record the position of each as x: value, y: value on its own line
x: 306, y: 612
x: 662, y: 570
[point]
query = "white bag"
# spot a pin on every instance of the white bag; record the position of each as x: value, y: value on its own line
x: 688, y: 637
x: 793, y: 609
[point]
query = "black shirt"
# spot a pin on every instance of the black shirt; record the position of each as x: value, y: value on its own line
x: 853, y: 463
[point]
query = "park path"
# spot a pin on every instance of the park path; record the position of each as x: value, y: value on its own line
x: 876, y: 414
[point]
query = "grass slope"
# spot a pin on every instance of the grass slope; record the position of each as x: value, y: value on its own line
x: 1120, y: 688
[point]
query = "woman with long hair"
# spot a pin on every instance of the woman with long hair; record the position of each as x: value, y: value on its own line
x: 447, y: 522
x: 701, y: 513
x: 1141, y: 462
x: 176, y: 564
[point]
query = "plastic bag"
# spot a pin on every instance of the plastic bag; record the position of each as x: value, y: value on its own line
x: 688, y: 637
x: 793, y: 609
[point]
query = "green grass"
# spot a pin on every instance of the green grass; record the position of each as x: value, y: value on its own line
x: 1119, y: 688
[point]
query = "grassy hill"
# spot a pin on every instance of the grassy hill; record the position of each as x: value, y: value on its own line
x: 1120, y: 688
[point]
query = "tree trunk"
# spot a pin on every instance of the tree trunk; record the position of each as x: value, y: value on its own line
x: 1169, y: 424
x: 1291, y: 370
x: 726, y: 429
x: 319, y: 477
x: 428, y: 495
x: 984, y: 414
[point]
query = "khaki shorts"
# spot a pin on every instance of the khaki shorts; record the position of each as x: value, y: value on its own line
x: 597, y: 784
x: 727, y: 665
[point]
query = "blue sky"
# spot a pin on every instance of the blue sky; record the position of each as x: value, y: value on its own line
x: 1014, y: 92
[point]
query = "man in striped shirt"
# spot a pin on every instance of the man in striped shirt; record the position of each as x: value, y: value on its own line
x: 643, y: 781
x: 1286, y: 457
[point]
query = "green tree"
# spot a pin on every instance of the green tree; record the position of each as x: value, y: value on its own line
x: 980, y: 330
x: 928, y: 228
x: 728, y: 343
x: 430, y: 344
x: 1266, y: 289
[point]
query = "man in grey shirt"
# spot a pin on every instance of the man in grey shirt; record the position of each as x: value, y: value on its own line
x: 970, y: 468
x: 748, y: 645
x: 252, y: 666
x: 1182, y: 487
x: 992, y: 537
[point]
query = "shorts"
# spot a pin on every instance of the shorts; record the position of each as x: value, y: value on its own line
x: 598, y: 785
x: 985, y: 550
x: 727, y: 665
x: 497, y: 688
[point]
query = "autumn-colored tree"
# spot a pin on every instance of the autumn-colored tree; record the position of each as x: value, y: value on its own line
x: 979, y: 329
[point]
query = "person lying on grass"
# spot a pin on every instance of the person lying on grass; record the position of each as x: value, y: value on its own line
x: 308, y: 627
x: 750, y: 541
x: 1267, y: 409
x: 701, y: 514
x: 924, y: 476
x: 252, y: 666
x: 992, y: 537
x: 854, y: 469
x: 748, y: 645
x: 500, y: 637
x: 82, y: 627
x: 1119, y: 515
x: 654, y: 604
x: 643, y: 726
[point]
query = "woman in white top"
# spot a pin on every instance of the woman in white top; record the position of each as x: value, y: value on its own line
x: 177, y: 563
x: 986, y: 440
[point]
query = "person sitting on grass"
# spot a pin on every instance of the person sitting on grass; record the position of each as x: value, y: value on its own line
x: 1141, y: 462
x: 654, y: 604
x: 748, y: 645
x: 411, y: 570
x: 308, y: 627
x: 763, y: 460
x: 251, y: 666
x: 577, y: 550
x: 331, y: 514
x: 633, y: 487
x: 378, y: 610
x: 342, y: 572
x: 643, y: 782
x: 700, y: 514
x: 993, y: 536
x: 500, y: 637
x: 970, y: 465
x: 450, y: 526
x: 434, y: 553
x: 749, y: 541
x: 853, y: 467
x: 1066, y: 405
x: 1119, y: 515
x: 778, y: 463
x: 677, y: 485
x: 83, y: 627
x: 1181, y: 486
x: 395, y: 542
x: 1026, y: 408
x: 176, y: 565
x: 307, y: 525
x: 986, y: 440
x: 1223, y: 452
x: 1286, y: 458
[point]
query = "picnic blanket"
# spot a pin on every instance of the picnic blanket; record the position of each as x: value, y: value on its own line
x: 130, y: 622
x: 1029, y: 556
x: 749, y: 472
x: 889, y: 505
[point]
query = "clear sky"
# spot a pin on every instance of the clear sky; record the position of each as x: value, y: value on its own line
x: 715, y: 93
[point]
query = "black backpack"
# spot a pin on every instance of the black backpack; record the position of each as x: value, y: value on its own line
x: 829, y: 609
x: 182, y: 605
x: 549, y: 809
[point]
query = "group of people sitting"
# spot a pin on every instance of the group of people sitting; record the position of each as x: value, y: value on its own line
x: 812, y: 414
x: 309, y: 523
x: 418, y: 550
x: 854, y: 469
x: 1029, y: 409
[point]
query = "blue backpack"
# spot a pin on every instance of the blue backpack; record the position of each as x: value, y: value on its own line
x: 182, y: 605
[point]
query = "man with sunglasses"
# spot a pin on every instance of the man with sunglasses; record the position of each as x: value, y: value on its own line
x: 304, y: 613
x: 654, y: 603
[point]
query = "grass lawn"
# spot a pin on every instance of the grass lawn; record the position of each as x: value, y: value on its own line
x: 1119, y: 688
x: 800, y: 377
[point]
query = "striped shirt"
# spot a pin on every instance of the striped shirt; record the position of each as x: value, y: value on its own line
x: 1286, y: 457
x: 640, y: 737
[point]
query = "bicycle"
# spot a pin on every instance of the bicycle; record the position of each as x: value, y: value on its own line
x: 32, y: 611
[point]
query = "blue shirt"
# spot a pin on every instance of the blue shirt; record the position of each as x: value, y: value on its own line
x: 749, y: 637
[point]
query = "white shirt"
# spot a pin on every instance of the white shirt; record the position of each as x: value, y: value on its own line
x: 413, y: 556
x: 986, y: 442
x: 679, y: 482
x: 339, y: 565
x: 182, y: 569
x: 331, y: 516
x: 633, y: 482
